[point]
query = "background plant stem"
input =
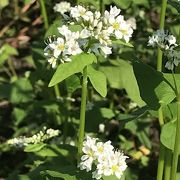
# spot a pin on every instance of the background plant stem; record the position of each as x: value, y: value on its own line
x: 167, y: 169
x: 11, y: 67
x: 46, y: 25
x: 161, y: 120
x: 44, y: 14
x: 177, y: 140
x: 82, y: 113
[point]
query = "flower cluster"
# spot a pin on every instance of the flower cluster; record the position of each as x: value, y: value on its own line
x: 95, y: 34
x: 62, y: 7
x: 167, y: 43
x: 163, y: 40
x: 104, y: 157
x: 42, y: 136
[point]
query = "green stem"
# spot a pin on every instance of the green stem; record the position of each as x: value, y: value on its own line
x: 44, y: 14
x: 82, y: 113
x: 163, y: 13
x: 167, y: 169
x: 11, y: 67
x: 57, y: 92
x: 161, y: 120
x: 160, y: 170
x: 162, y: 150
x: 102, y: 7
x: 46, y: 25
x: 177, y: 140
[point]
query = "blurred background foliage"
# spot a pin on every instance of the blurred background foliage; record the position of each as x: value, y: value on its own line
x: 27, y: 104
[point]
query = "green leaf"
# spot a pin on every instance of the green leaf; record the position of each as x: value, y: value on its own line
x: 175, y: 4
x: 76, y: 65
x: 19, y: 115
x: 141, y: 2
x: 123, y: 4
x: 168, y: 134
x: 121, y: 42
x: 122, y: 76
x: 34, y: 147
x: 3, y: 3
x: 169, y: 78
x: 155, y: 90
x: 68, y: 173
x: 5, y: 52
x: 20, y: 91
x: 52, y: 30
x: 98, y: 80
x: 107, y: 113
x: 113, y: 177
x: 72, y: 83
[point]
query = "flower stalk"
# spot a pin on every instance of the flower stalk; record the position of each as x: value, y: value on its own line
x: 161, y: 120
x: 167, y: 169
x: 177, y: 140
x: 82, y: 113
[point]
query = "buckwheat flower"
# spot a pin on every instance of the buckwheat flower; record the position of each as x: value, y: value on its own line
x: 73, y: 48
x: 173, y: 59
x: 62, y: 7
x: 106, y: 50
x: 78, y: 12
x: 89, y: 149
x: 163, y: 40
x: 109, y: 16
x: 101, y: 128
x: 53, y: 61
x: 132, y: 22
x: 58, y: 47
x: 85, y: 33
x: 104, y: 159
x: 171, y: 40
x: 152, y: 41
x: 118, y: 164
x: 64, y: 31
x: 41, y: 136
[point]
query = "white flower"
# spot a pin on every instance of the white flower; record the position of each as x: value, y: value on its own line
x: 163, y: 40
x: 171, y: 40
x: 173, y: 59
x: 101, y: 128
x: 53, y: 61
x: 132, y: 22
x: 118, y: 164
x: 62, y: 7
x: 89, y: 149
x: 43, y: 135
x: 103, y: 156
x: 78, y: 12
x: 58, y: 47
x: 73, y: 48
x: 106, y: 50
x: 85, y: 33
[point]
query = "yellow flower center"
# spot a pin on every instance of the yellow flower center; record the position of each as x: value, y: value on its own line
x: 90, y: 153
x: 82, y: 13
x: 61, y: 47
x: 124, y: 31
x: 114, y: 168
x: 100, y: 149
x: 116, y: 26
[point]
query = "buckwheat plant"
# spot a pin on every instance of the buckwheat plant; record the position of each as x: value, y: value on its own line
x: 41, y: 136
x: 103, y: 158
x: 167, y: 43
x: 85, y: 36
